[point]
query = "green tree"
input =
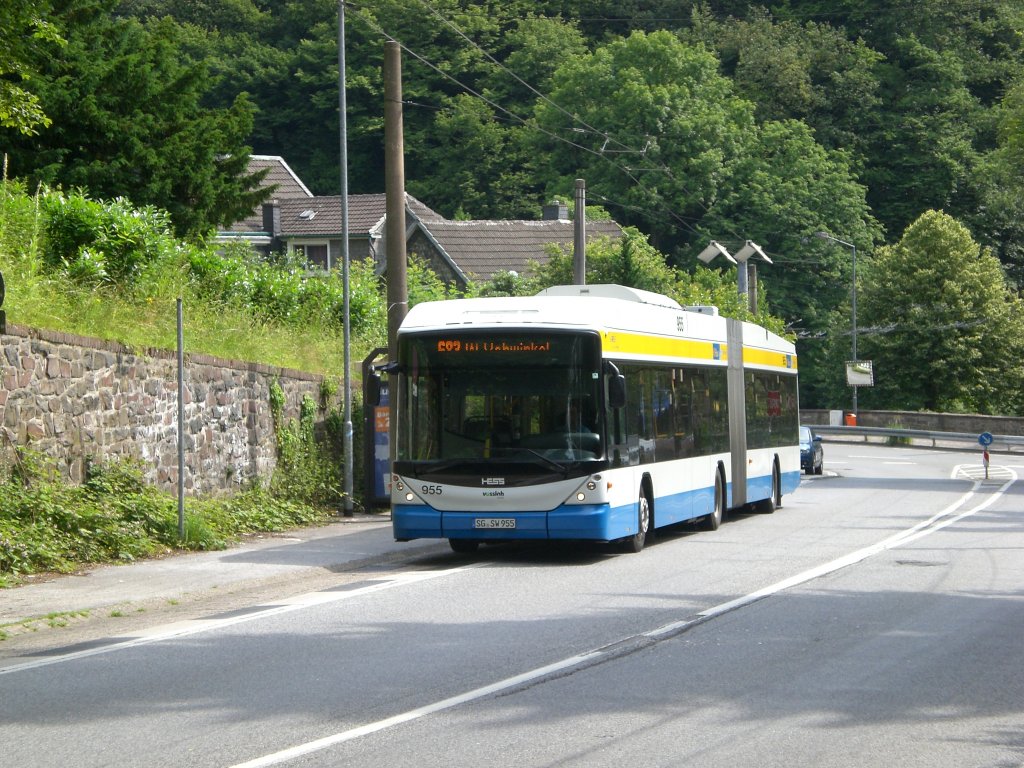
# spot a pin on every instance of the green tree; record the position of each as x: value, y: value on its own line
x: 940, y: 323
x: 492, y: 173
x: 783, y: 191
x: 710, y: 171
x: 630, y: 260
x: 924, y: 152
x: 129, y: 121
x: 25, y: 31
x: 999, y: 179
x: 652, y: 126
x: 806, y: 71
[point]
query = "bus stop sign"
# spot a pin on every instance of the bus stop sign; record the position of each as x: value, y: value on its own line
x: 985, y: 439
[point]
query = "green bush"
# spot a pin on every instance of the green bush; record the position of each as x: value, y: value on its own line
x: 19, y: 220
x: 47, y: 525
x: 102, y: 243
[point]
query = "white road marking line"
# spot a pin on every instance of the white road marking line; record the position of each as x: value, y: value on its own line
x: 195, y: 626
x: 937, y: 522
x: 415, y: 714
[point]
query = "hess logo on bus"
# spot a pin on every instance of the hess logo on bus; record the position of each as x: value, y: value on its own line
x: 492, y: 481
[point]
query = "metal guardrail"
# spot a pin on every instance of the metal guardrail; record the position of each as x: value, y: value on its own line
x: 999, y: 442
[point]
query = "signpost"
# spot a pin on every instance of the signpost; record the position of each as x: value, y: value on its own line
x: 985, y: 440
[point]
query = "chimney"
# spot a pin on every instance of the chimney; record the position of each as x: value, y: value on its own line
x: 272, y: 219
x: 556, y: 210
x: 272, y: 225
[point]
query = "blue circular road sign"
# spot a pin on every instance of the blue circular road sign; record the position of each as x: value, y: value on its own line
x: 985, y: 439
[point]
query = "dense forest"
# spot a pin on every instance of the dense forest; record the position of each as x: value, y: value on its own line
x: 897, y: 126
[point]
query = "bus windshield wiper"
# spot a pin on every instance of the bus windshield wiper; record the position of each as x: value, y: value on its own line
x: 420, y: 468
x: 558, y: 467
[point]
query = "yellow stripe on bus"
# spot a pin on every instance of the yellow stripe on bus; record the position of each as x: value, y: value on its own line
x: 661, y: 346
x: 770, y: 358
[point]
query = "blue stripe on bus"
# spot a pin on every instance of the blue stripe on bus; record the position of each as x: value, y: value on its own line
x: 790, y: 481
x: 594, y: 522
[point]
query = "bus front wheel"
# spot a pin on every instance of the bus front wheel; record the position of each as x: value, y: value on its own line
x: 463, y: 546
x: 636, y: 542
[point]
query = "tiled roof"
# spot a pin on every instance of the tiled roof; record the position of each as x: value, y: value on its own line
x: 477, y: 249
x: 482, y: 248
x: 321, y: 216
x: 279, y: 176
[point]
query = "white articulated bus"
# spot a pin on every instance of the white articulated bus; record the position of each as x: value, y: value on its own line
x: 590, y: 413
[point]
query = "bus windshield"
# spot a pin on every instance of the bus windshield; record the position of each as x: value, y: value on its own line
x: 500, y: 395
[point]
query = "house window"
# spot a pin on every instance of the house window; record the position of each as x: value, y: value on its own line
x: 314, y: 252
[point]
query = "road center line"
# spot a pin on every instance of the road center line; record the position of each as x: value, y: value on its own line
x: 935, y: 523
x: 195, y: 626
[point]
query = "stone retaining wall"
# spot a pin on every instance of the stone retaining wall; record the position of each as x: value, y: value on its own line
x: 79, y: 399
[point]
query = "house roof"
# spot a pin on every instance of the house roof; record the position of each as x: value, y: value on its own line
x: 483, y: 248
x: 474, y: 249
x: 321, y: 216
x: 281, y: 178
x: 280, y: 175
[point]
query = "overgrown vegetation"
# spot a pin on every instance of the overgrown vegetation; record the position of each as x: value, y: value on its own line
x: 309, y: 468
x: 47, y: 525
x: 114, y: 271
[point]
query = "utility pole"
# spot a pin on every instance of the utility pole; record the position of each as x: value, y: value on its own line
x: 346, y: 309
x: 579, y: 251
x: 394, y: 229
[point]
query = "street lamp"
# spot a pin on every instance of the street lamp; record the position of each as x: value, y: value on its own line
x: 853, y: 300
x: 714, y: 249
x: 750, y: 248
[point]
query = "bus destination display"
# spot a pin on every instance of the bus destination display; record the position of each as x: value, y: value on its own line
x: 504, y: 346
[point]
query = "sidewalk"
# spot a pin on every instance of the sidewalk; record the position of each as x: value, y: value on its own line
x: 343, y: 545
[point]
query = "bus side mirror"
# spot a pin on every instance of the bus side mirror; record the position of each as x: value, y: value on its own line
x: 616, y: 385
x: 372, y: 384
x: 617, y: 391
x: 372, y: 389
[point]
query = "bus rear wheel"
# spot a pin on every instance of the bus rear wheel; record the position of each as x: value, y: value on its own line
x: 774, y: 501
x: 712, y: 521
x: 463, y: 546
x: 636, y: 542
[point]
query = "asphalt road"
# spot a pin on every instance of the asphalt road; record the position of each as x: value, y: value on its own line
x: 876, y: 619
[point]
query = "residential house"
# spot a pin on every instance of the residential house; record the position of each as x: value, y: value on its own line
x: 258, y: 229
x: 460, y: 252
